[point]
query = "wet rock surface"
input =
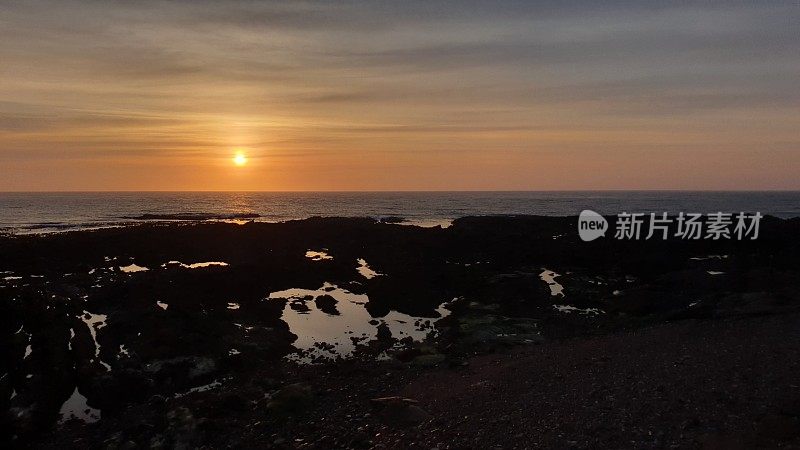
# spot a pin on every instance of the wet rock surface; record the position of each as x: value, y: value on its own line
x: 641, y: 344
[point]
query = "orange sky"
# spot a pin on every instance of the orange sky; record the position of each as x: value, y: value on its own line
x: 376, y: 96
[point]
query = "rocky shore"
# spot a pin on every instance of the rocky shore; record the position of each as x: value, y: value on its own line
x: 324, y: 333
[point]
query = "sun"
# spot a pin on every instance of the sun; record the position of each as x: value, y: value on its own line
x: 240, y: 159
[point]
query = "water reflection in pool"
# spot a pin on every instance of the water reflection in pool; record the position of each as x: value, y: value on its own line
x: 549, y: 277
x: 95, y: 322
x: 331, y: 321
x: 321, y: 255
x: 199, y: 265
x: 133, y: 268
x: 365, y: 270
x: 76, y: 407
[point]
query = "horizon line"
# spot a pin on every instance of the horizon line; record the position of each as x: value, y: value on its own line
x: 387, y: 191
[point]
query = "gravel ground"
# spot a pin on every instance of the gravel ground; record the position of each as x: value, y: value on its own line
x: 716, y: 384
x: 695, y: 384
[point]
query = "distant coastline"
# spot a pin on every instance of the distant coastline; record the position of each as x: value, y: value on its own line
x: 33, y: 212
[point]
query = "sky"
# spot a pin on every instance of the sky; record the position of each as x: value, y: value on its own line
x: 410, y: 95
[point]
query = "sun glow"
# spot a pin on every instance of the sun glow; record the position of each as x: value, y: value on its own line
x: 240, y: 159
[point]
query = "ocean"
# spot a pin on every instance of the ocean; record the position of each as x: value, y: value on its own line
x: 23, y: 213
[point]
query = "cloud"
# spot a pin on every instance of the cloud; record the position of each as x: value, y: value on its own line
x: 186, y: 77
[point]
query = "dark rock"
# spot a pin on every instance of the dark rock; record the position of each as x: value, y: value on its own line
x: 182, y: 427
x: 232, y: 402
x: 327, y: 304
x: 777, y: 427
x: 299, y: 305
x: 384, y: 334
x: 191, y: 367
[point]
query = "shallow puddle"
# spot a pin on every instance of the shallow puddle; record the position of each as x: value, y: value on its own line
x: 549, y: 277
x: 76, y: 408
x: 95, y: 322
x: 331, y: 322
x: 198, y: 265
x: 133, y: 268
x: 426, y: 223
x: 365, y: 271
x: 71, y: 337
x: 318, y: 255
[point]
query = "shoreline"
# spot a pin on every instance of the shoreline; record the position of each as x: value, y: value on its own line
x: 38, y: 229
x: 47, y: 212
